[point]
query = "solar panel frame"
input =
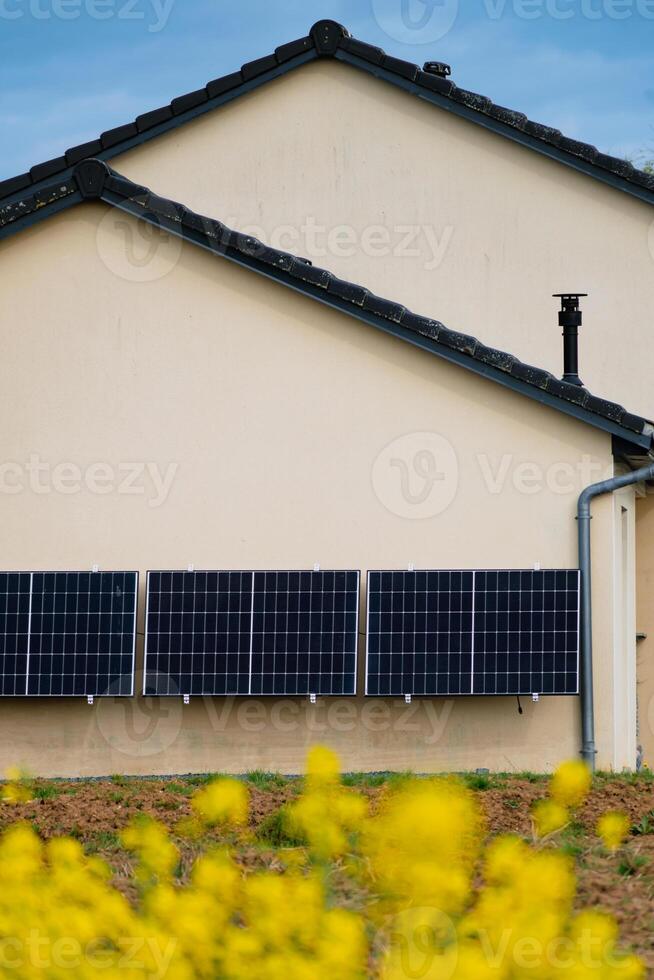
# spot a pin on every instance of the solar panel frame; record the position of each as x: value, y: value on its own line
x: 256, y: 673
x: 113, y: 685
x: 556, y: 620
x: 154, y: 690
x: 318, y: 687
x: 436, y: 617
x: 569, y: 687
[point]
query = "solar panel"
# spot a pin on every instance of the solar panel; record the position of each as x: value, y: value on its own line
x: 67, y: 633
x: 305, y: 632
x: 14, y: 631
x: 526, y: 632
x: 82, y: 633
x: 197, y: 637
x: 251, y: 632
x: 473, y: 632
x: 419, y: 633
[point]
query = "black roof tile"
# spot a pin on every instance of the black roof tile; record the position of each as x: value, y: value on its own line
x: 361, y: 49
x: 225, y: 84
x: 117, y: 135
x: 44, y: 170
x: 294, y: 48
x: 545, y: 133
x: 404, y: 68
x: 422, y: 325
x: 14, y: 184
x: 77, y: 153
x: 471, y: 99
x: 384, y: 308
x: 154, y: 118
x: 258, y: 67
x: 189, y: 101
x: 434, y: 83
x: 348, y: 290
x: 584, y: 150
x: 516, y: 119
x: 458, y: 341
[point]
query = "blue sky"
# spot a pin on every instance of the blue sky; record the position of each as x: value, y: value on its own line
x: 72, y: 68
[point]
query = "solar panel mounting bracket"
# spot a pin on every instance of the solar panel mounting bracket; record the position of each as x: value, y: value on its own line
x: 187, y: 698
x: 316, y: 567
x: 89, y: 699
x: 95, y: 568
x: 537, y: 566
x: 411, y: 567
x: 535, y: 698
x: 312, y: 699
x: 407, y: 699
x: 190, y: 568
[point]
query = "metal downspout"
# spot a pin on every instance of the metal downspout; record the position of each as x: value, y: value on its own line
x: 588, y: 750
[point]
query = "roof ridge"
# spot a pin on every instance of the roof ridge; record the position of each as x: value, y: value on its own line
x: 327, y: 38
x: 96, y: 180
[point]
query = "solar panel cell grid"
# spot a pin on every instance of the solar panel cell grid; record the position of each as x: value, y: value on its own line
x: 251, y: 632
x: 526, y: 632
x: 198, y: 633
x: 304, y: 632
x: 473, y: 632
x: 419, y: 633
x: 82, y: 633
x: 14, y: 631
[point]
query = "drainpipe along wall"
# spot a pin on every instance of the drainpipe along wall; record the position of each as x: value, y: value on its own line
x: 586, y: 497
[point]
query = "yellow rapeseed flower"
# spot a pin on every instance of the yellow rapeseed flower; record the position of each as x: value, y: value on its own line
x: 571, y: 783
x: 549, y: 816
x: 613, y: 827
x: 223, y: 801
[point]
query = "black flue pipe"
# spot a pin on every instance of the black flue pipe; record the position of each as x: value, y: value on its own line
x: 570, y: 317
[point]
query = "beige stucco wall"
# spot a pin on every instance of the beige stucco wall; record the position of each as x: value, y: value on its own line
x: 326, y: 161
x: 284, y: 423
x: 645, y: 624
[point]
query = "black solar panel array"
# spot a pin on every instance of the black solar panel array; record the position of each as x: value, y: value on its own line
x: 67, y: 633
x: 473, y: 632
x: 251, y: 632
x: 434, y: 632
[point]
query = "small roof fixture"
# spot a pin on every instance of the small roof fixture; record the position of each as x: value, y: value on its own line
x: 437, y: 68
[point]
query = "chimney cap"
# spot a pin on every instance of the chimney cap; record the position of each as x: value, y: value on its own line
x: 437, y: 68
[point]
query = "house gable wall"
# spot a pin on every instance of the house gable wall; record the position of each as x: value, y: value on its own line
x: 283, y: 422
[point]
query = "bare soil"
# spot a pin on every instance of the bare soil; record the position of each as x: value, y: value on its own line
x: 95, y: 812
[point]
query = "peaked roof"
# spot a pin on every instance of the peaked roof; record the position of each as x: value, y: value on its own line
x: 95, y: 180
x: 328, y: 39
